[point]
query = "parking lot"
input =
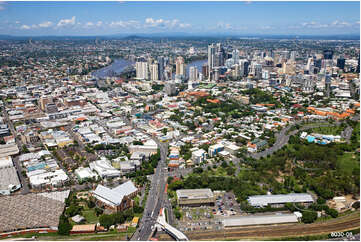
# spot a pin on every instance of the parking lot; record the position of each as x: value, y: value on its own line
x: 209, y: 217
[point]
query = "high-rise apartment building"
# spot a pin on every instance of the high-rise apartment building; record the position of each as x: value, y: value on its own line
x: 142, y: 70
x: 180, y: 67
x: 154, y: 72
x: 193, y: 73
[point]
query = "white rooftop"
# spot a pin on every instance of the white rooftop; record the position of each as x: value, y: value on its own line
x: 114, y: 196
x: 264, y: 200
x: 258, y: 220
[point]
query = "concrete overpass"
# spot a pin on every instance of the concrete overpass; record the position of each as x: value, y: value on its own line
x: 175, y: 233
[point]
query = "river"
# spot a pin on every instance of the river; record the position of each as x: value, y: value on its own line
x: 116, y: 68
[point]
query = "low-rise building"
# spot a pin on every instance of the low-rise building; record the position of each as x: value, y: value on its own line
x: 215, y: 149
x: 195, y: 197
x: 280, y: 200
x: 9, y: 180
x: 85, y: 173
x: 104, y: 168
x: 116, y: 199
x: 198, y: 156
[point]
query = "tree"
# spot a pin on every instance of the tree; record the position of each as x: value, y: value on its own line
x: 356, y: 205
x: 119, y: 218
x: 332, y: 212
x: 72, y: 210
x: 177, y: 214
x: 309, y: 216
x: 25, y: 149
x: 64, y: 226
x: 170, y: 179
x: 164, y: 131
x: 98, y: 211
x: 106, y: 220
x: 91, y: 204
x: 320, y: 200
x: 136, y: 142
x: 138, y: 209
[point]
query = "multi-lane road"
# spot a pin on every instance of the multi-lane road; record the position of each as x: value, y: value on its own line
x: 155, y: 198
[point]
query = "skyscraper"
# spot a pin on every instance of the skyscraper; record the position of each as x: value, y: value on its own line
x: 235, y: 56
x: 243, y: 67
x: 193, y: 73
x: 205, y: 70
x: 211, y: 57
x: 141, y: 70
x: 180, y: 67
x: 160, y: 60
x: 328, y: 54
x: 154, y: 72
x: 341, y: 63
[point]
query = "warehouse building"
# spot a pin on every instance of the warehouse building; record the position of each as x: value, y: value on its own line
x: 9, y: 180
x: 280, y: 200
x: 195, y: 197
x: 33, y: 210
x: 259, y: 220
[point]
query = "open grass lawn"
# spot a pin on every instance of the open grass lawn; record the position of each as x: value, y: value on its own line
x: 348, y: 162
x: 330, y: 130
x: 89, y: 215
x: 112, y: 235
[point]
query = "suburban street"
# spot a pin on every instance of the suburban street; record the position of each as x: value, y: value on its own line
x: 282, y: 137
x: 24, y: 183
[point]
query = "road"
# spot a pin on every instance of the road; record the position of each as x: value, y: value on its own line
x: 282, y: 137
x: 155, y: 197
x: 24, y: 182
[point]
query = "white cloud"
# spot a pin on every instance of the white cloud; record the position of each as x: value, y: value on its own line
x: 45, y: 24
x: 338, y: 23
x: 65, y: 22
x: 154, y: 22
x: 25, y: 27
x: 184, y: 25
x: 163, y: 23
x: 314, y: 25
x: 99, y: 23
x: 123, y: 24
x: 222, y: 25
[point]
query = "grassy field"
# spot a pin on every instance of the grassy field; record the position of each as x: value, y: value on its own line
x: 348, y: 162
x: 112, y: 235
x: 330, y: 130
x: 89, y: 215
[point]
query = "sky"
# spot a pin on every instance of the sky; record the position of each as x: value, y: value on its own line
x: 122, y: 17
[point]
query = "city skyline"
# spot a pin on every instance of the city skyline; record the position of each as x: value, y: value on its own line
x: 234, y: 18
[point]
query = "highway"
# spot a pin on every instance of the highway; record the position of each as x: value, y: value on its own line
x: 155, y: 198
